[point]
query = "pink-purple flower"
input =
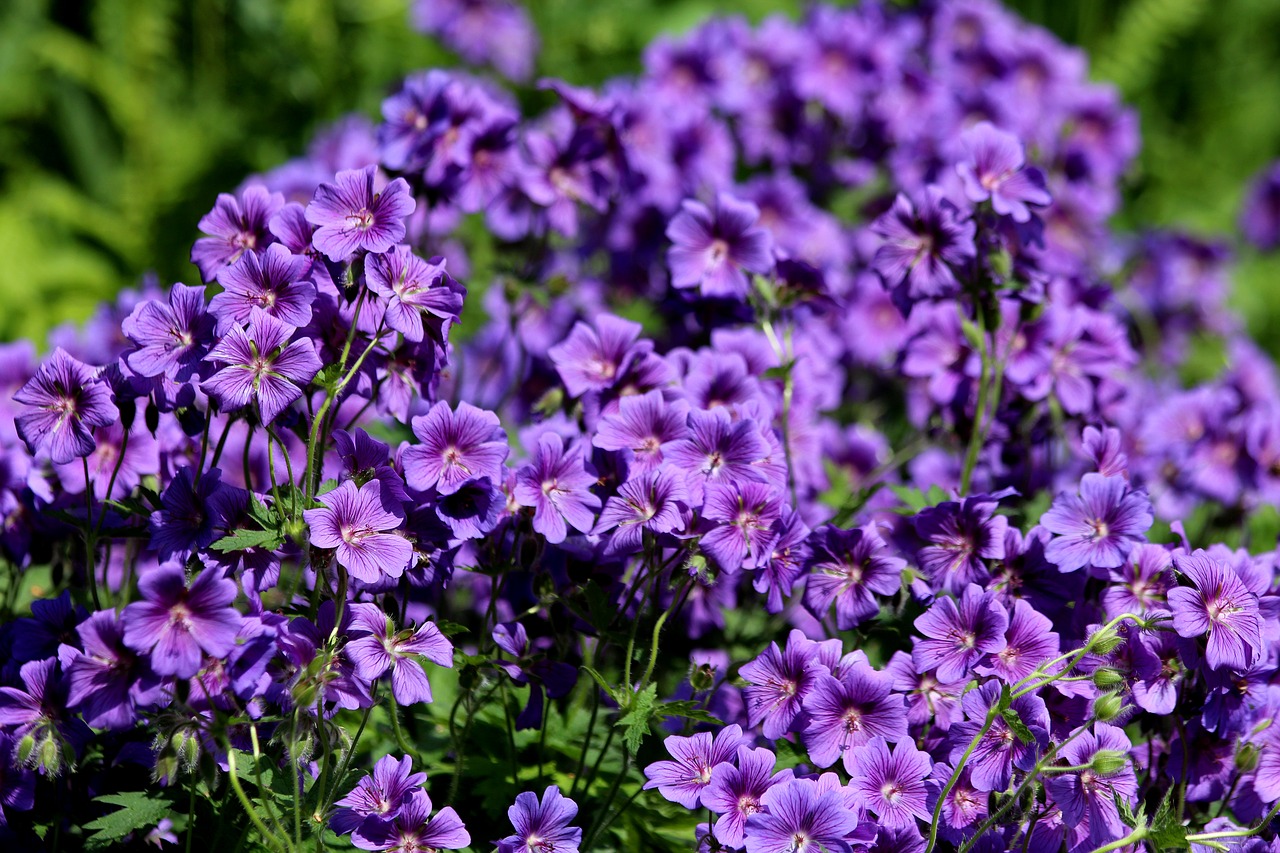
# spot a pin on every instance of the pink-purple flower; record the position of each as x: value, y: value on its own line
x: 176, y: 625
x: 63, y: 403
x: 355, y: 523
x: 350, y: 215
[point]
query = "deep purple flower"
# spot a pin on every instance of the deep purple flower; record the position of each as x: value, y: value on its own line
x: 414, y: 288
x: 735, y: 792
x: 685, y: 778
x: 52, y: 624
x: 1141, y: 583
x: 68, y: 402
x: 556, y: 482
x: 891, y: 784
x: 718, y: 450
x: 1219, y: 605
x: 778, y: 682
x: 542, y: 827
x: 652, y: 501
x: 1104, y: 448
x: 778, y: 573
x: 171, y: 338
x: 190, y: 516
x: 413, y: 829
x: 959, y: 638
x: 350, y: 216
x: 375, y: 647
x: 380, y: 795
x: 456, y: 446
x: 999, y: 750
x: 261, y: 365
x: 923, y: 247
x: 364, y: 457
x: 496, y: 32
x: 716, y: 250
x: 474, y: 510
x: 107, y: 681
x: 847, y: 712
x: 1089, y: 795
x: 642, y: 426
x: 961, y: 534
x: 236, y: 226
x: 175, y: 626
x: 1098, y: 527
x: 994, y: 167
x: 802, y: 816
x: 355, y: 522
x: 17, y: 783
x: 850, y: 567
x: 273, y: 279
x: 1260, y: 216
x: 1029, y: 642
x: 592, y: 359
x: 36, y: 713
x: 746, y: 512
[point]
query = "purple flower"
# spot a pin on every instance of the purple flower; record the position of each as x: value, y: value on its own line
x: 998, y: 751
x: 261, y: 365
x: 355, y: 522
x: 1029, y: 642
x: 381, y: 795
x: 175, y: 625
x: 718, y: 450
x: 414, y: 829
x: 69, y: 402
x: 498, y: 32
x: 556, y: 482
x: 273, y: 279
x: 350, y: 216
x: 236, y: 225
x: 715, y: 250
x: 961, y: 535
x: 592, y: 359
x: 190, y: 516
x: 17, y: 783
x: 652, y: 501
x: 1089, y: 795
x: 850, y: 567
x: 472, y: 511
x: 1260, y: 216
x: 922, y: 247
x: 1140, y: 584
x: 802, y: 816
x: 735, y: 793
x: 780, y: 570
x: 37, y: 715
x: 456, y: 446
x: 778, y: 683
x: 746, y: 512
x: 106, y: 681
x: 684, y: 779
x: 849, y: 711
x: 642, y: 426
x: 542, y: 827
x: 1219, y: 605
x: 1098, y: 527
x: 958, y: 638
x: 375, y: 647
x: 171, y: 338
x: 415, y: 288
x: 994, y: 167
x: 891, y: 784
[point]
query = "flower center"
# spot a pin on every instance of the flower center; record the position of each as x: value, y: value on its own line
x: 1099, y: 528
x: 361, y: 219
x: 719, y: 251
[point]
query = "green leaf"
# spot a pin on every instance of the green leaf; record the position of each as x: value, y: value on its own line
x: 241, y: 540
x: 1015, y: 724
x: 1167, y: 830
x: 138, y: 810
x: 604, y: 685
x: 262, y: 514
x: 635, y: 722
x: 685, y: 709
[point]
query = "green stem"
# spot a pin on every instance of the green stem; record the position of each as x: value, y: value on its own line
x: 90, y: 541
x: 955, y: 777
x: 397, y: 732
x: 598, y: 825
x: 267, y: 836
x: 657, y: 629
x: 975, y: 436
x: 263, y: 789
x: 586, y: 741
x: 1237, y: 833
x: 1139, y: 832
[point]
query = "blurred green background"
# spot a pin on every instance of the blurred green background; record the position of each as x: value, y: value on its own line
x: 120, y: 120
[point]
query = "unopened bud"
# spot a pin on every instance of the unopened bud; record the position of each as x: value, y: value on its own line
x: 1108, y: 761
x: 186, y: 747
x: 1105, y: 641
x: 1107, y: 707
x: 1247, y: 758
x: 1107, y: 677
x: 702, y: 678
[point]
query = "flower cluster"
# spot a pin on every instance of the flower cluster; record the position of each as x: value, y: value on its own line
x: 806, y: 412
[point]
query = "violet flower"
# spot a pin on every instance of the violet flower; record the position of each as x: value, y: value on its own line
x: 746, y: 512
x: 415, y: 289
x: 350, y: 216
x: 1089, y: 795
x: 778, y: 682
x: 176, y: 625
x: 684, y: 779
x: 999, y: 750
x: 170, y: 338
x: 735, y: 792
x: 107, y: 682
x: 849, y: 567
x: 456, y: 446
x: 68, y: 402
x: 273, y: 279
x: 1098, y: 527
x: 262, y: 366
x: 542, y: 827
x: 891, y: 784
x: 1221, y: 606
x: 802, y: 816
x: 714, y: 250
x: 961, y: 535
x: 236, y: 225
x: 718, y: 450
x: 923, y: 247
x: 642, y: 426
x: 849, y: 711
x: 414, y: 828
x: 592, y: 359
x: 380, y: 795
x: 957, y: 638
x: 995, y: 168
x: 375, y: 647
x: 355, y: 523
x: 653, y: 501
x: 556, y: 482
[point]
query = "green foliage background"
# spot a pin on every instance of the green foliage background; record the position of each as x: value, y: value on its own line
x: 120, y: 120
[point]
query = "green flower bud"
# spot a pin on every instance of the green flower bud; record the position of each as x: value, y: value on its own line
x: 702, y: 678
x: 1107, y: 677
x: 1107, y: 707
x: 1247, y: 758
x: 26, y: 747
x: 1108, y: 761
x: 1105, y: 641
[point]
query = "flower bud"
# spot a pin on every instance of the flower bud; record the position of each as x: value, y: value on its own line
x: 1108, y: 761
x: 1247, y: 758
x: 1105, y: 641
x: 1108, y: 677
x: 1107, y: 707
x: 702, y: 678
